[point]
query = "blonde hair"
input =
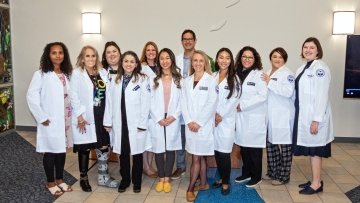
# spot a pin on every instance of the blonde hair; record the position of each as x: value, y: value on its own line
x: 80, y: 59
x: 207, y: 67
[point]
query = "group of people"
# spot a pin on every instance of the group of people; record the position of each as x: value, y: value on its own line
x: 163, y: 106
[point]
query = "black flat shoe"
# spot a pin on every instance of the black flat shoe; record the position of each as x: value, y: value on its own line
x: 84, y: 184
x: 225, y: 191
x: 304, y: 185
x: 307, y: 184
x: 137, y: 188
x: 217, y: 184
x: 122, y: 187
x: 309, y: 190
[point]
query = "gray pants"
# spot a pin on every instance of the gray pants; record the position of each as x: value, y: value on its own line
x: 181, y: 154
x: 165, y: 165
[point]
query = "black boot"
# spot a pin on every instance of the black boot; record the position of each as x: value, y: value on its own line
x: 84, y: 166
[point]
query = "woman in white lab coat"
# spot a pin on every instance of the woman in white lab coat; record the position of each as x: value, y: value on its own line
x: 49, y: 102
x: 88, y: 84
x: 110, y: 58
x: 126, y: 116
x: 228, y: 90
x: 251, y: 119
x: 198, y: 104
x: 280, y: 83
x: 313, y: 127
x: 165, y: 114
x: 150, y: 68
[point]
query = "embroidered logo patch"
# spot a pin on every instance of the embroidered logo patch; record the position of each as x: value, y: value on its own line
x: 203, y: 88
x: 320, y: 72
x: 290, y: 78
x: 274, y: 79
x: 226, y: 87
x: 136, y: 87
x: 251, y: 83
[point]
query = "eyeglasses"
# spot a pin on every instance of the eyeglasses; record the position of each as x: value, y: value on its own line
x: 187, y: 39
x: 247, y: 58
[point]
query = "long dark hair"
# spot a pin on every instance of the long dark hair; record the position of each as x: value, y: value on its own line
x: 231, y: 78
x: 175, y: 71
x: 137, y: 71
x: 104, y: 62
x: 46, y: 65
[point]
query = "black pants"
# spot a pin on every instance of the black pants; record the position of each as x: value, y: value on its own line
x: 53, y: 161
x: 223, y: 162
x: 252, y: 162
x: 136, y: 171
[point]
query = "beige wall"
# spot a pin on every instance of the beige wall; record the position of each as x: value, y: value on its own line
x: 262, y: 24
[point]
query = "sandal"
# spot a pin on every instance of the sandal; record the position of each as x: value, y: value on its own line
x: 65, y: 187
x: 56, y: 191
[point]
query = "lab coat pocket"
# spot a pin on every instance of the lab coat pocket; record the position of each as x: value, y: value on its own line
x: 257, y: 123
x: 280, y: 118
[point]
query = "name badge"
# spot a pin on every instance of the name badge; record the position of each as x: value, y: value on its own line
x: 274, y: 79
x: 251, y: 83
x: 203, y: 88
x: 226, y: 87
x: 136, y: 88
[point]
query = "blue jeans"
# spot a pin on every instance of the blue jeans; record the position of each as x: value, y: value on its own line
x: 181, y: 154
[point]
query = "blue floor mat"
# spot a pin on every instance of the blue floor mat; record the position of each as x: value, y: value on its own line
x: 239, y: 192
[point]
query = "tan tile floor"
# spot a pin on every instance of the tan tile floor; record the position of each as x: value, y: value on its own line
x: 340, y: 173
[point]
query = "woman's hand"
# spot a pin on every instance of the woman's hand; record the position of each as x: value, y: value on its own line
x: 46, y: 123
x: 167, y: 121
x: 108, y: 129
x: 314, y: 127
x: 265, y: 77
x: 238, y: 109
x: 81, y: 124
x: 193, y: 126
x: 218, y: 119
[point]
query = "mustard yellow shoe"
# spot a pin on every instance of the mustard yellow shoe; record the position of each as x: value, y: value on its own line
x: 159, y: 187
x: 167, y: 187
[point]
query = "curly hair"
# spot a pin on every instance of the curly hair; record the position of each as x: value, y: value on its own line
x: 137, y: 71
x: 257, y: 59
x: 80, y: 59
x: 175, y: 71
x: 143, y: 58
x: 231, y: 78
x: 104, y: 62
x: 46, y: 65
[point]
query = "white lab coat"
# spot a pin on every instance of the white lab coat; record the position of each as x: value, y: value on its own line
x: 314, y: 105
x: 157, y: 112
x: 137, y: 102
x: 45, y: 98
x: 280, y: 106
x: 148, y: 71
x: 180, y: 64
x: 224, y: 133
x: 82, y: 102
x: 199, y: 105
x: 251, y: 121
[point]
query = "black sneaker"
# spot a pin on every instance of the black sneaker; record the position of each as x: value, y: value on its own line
x: 178, y: 173
x: 242, y: 179
x: 137, y: 188
x: 123, y: 185
x: 253, y: 183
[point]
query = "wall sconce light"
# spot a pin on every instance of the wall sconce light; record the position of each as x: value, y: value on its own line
x: 91, y: 23
x: 343, y: 23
